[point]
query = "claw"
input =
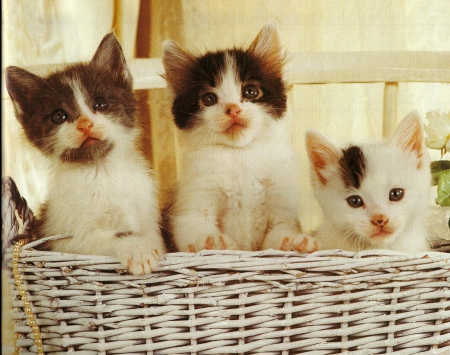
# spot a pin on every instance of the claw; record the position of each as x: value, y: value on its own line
x: 222, y: 243
x: 301, y: 247
x: 284, y: 245
x: 209, y: 244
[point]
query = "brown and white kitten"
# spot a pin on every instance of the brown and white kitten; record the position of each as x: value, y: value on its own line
x: 374, y: 195
x: 238, y: 186
x: 101, y: 189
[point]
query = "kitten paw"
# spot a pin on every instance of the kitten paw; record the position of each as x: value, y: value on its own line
x: 301, y: 243
x: 138, y: 257
x: 216, y: 242
x: 141, y: 260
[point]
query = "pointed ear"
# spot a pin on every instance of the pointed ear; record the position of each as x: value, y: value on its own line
x: 109, y: 55
x: 322, y: 154
x: 267, y: 47
x: 177, y: 64
x: 409, y: 135
x: 22, y: 86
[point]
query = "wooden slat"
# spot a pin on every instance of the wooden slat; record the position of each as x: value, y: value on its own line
x: 368, y: 67
x: 390, y: 109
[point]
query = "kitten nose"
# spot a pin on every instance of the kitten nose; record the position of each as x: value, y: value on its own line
x: 232, y: 110
x: 84, y: 124
x: 379, y: 220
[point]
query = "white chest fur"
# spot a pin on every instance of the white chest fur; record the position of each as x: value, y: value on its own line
x: 236, y: 191
x: 94, y: 202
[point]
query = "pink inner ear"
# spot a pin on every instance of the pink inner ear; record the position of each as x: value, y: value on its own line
x: 416, y: 143
x: 319, y: 165
x: 322, y: 155
x: 409, y: 135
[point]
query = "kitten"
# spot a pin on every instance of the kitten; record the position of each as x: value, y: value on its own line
x: 101, y: 189
x: 238, y: 183
x: 373, y: 195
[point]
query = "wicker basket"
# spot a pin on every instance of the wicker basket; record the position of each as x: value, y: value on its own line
x: 227, y: 302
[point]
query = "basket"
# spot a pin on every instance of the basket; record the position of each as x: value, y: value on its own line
x: 230, y: 302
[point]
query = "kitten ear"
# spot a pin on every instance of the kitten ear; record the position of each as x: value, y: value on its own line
x: 322, y: 154
x: 109, y: 55
x: 22, y: 86
x: 267, y: 46
x: 409, y: 135
x: 176, y: 63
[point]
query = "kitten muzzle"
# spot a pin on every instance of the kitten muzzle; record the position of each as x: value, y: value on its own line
x: 381, y: 233
x: 235, y: 125
x: 89, y: 141
x: 381, y: 228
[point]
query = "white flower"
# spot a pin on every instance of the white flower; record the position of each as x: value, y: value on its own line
x: 438, y: 131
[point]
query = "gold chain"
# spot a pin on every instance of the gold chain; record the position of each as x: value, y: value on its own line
x: 26, y: 302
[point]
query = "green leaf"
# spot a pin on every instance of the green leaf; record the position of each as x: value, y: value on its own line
x: 443, y: 189
x: 437, y: 167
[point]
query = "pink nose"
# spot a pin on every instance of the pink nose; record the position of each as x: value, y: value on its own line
x: 379, y: 220
x: 84, y: 125
x: 232, y: 110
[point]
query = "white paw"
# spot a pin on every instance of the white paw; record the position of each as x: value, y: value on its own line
x: 302, y: 243
x: 139, y: 254
x: 213, y: 242
x: 141, y: 259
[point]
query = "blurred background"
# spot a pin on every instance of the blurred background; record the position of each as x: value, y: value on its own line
x: 43, y: 32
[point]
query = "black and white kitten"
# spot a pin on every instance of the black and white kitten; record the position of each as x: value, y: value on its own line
x: 374, y: 195
x: 101, y: 189
x: 238, y: 186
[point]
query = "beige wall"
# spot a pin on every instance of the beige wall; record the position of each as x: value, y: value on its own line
x: 48, y: 31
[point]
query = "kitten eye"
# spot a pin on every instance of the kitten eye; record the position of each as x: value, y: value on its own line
x: 396, y: 195
x: 209, y: 99
x: 250, y: 92
x: 100, y: 104
x: 355, y: 201
x: 59, y: 116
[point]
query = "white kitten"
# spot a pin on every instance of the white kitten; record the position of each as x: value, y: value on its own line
x: 238, y: 183
x: 101, y: 189
x: 373, y: 195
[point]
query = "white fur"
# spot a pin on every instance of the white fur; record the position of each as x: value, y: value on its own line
x: 389, y: 165
x: 93, y: 202
x: 237, y: 191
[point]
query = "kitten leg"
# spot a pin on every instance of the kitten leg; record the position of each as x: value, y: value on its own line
x: 140, y: 254
x: 289, y: 237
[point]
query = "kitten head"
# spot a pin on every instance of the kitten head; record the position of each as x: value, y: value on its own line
x: 227, y: 97
x: 371, y: 192
x: 80, y: 113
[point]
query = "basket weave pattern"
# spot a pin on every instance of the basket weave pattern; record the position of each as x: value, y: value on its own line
x: 230, y: 302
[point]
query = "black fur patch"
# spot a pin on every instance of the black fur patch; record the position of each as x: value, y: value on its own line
x: 353, y: 166
x: 251, y: 68
x: 89, y: 154
x: 124, y: 234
